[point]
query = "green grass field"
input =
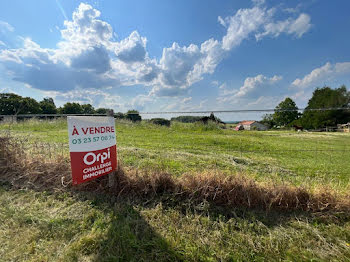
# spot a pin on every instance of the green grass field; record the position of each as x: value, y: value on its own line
x: 40, y: 226
x: 310, y: 159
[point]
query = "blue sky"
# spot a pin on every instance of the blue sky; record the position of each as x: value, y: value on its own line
x: 174, y: 55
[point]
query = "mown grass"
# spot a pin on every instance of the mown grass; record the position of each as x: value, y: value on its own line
x: 310, y: 159
x: 86, y: 227
x: 78, y: 226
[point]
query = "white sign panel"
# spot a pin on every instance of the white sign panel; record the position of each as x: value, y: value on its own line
x: 92, y: 145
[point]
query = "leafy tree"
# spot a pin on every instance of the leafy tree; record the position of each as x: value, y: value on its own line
x: 12, y: 104
x: 133, y: 115
x: 101, y: 111
x: 160, y: 121
x: 47, y: 106
x: 119, y: 115
x: 186, y: 119
x: 327, y: 97
x: 9, y: 103
x: 88, y: 109
x: 285, y: 118
x: 30, y: 106
x: 71, y: 108
x: 268, y: 120
x: 215, y: 119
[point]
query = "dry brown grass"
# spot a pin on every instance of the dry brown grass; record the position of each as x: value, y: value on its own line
x: 23, y: 170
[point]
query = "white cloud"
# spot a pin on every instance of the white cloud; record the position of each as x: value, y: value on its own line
x: 85, y: 28
x: 211, y: 55
x: 186, y: 99
x: 293, y: 10
x: 7, y: 90
x: 215, y: 83
x: 132, y: 49
x: 89, y: 57
x: 183, y: 66
x: 258, y: 2
x: 225, y: 90
x: 296, y: 27
x: 176, y: 63
x: 93, y: 58
x: 95, y: 97
x: 222, y: 21
x: 265, y: 102
x: 6, y: 27
x: 252, y: 88
x: 322, y: 73
x: 2, y: 43
x: 180, y: 67
x: 139, y: 102
x: 242, y: 24
x: 86, y: 57
x: 223, y: 86
x: 342, y: 68
x: 257, y: 83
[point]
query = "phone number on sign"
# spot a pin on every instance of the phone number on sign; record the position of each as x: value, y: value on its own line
x: 95, y: 139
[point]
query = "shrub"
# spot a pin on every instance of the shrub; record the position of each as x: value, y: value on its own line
x: 160, y: 121
x: 133, y: 115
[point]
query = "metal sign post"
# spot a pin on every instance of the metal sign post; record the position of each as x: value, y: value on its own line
x: 111, y: 176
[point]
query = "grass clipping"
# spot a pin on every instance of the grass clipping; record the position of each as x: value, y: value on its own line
x: 23, y: 170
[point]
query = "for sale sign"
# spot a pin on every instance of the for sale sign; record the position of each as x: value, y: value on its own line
x: 92, y: 146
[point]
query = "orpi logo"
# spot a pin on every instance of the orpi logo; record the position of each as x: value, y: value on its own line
x: 91, y: 158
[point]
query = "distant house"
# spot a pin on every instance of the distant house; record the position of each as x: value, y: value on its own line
x: 251, y: 125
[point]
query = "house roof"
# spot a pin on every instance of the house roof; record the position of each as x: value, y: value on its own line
x: 246, y: 122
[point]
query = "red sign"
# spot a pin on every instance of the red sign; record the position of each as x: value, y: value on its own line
x: 92, y: 145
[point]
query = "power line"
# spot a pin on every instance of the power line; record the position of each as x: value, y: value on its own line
x: 244, y: 111
x: 193, y: 112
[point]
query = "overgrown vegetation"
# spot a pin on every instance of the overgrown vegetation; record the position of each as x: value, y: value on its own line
x: 160, y: 121
x: 186, y: 119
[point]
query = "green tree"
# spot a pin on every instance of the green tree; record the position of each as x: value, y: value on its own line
x: 160, y: 121
x: 119, y: 115
x: 88, y: 109
x: 186, y: 119
x: 47, y: 106
x: 286, y: 112
x: 12, y: 104
x: 30, y: 106
x: 9, y: 103
x: 268, y: 120
x: 327, y: 97
x: 133, y: 115
x: 101, y: 111
x: 71, y: 108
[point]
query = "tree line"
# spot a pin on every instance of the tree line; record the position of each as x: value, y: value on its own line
x: 286, y: 113
x: 322, y: 98
x: 12, y: 104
